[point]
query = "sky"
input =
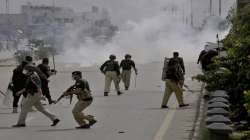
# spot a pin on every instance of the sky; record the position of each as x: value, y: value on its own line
x: 121, y: 10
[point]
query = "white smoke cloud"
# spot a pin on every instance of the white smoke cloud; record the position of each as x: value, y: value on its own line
x: 148, y: 40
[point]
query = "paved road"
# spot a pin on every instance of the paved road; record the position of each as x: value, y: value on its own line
x: 135, y: 115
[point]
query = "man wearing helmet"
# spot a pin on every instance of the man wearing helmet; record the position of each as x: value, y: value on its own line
x: 33, y: 96
x: 126, y: 65
x: 82, y: 91
x: 111, y: 71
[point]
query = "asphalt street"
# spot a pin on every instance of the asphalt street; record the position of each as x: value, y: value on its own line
x: 135, y: 115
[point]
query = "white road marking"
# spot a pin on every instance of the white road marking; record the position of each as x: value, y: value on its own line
x: 165, y: 125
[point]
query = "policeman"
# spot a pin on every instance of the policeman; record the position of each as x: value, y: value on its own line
x: 173, y: 77
x: 17, y: 84
x: 112, y: 73
x: 33, y: 97
x: 82, y: 91
x: 182, y: 67
x: 44, y: 67
x: 126, y: 65
x: 17, y: 81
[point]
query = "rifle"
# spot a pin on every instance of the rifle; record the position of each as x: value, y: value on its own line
x: 60, y: 98
x: 70, y: 98
x: 135, y: 79
x: 54, y: 64
x: 68, y: 93
x: 65, y: 94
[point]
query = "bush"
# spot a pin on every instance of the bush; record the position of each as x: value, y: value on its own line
x: 232, y: 73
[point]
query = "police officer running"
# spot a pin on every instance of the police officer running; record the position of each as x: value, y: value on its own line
x: 126, y: 65
x: 18, y: 84
x: 44, y: 67
x: 112, y: 73
x: 82, y: 91
x: 33, y: 96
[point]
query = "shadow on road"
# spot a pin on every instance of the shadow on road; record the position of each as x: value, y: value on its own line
x: 59, y: 130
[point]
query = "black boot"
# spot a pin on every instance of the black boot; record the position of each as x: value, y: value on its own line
x: 86, y: 126
x: 55, y: 122
x: 92, y: 122
x: 19, y: 125
x: 119, y: 92
x: 105, y: 93
x: 183, y: 105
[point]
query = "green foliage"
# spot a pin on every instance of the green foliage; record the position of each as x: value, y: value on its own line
x: 247, y: 101
x: 232, y: 73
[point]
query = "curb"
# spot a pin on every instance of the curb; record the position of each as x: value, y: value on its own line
x: 199, y: 115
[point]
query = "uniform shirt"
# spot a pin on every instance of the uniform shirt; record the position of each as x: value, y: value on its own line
x: 18, y: 78
x: 39, y: 72
x: 174, y: 73
x: 45, y: 69
x: 80, y: 84
x: 127, y: 64
x: 33, y: 84
x: 201, y: 55
x: 180, y: 61
x: 110, y: 65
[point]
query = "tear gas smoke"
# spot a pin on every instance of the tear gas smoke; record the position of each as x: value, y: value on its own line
x: 150, y: 39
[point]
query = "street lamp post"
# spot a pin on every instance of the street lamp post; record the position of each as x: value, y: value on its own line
x: 219, y: 7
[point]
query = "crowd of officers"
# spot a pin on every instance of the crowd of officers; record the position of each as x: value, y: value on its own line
x: 32, y: 82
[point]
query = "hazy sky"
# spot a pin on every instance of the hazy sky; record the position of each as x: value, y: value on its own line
x: 120, y: 10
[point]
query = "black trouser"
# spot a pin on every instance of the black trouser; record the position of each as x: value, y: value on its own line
x: 45, y: 90
x: 16, y: 99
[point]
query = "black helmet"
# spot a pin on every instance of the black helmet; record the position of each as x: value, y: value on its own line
x: 112, y: 57
x: 176, y: 54
x: 78, y: 73
x: 28, y: 59
x: 45, y: 60
x: 128, y: 56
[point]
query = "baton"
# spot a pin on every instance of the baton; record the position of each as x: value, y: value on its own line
x: 2, y: 93
x: 135, y: 79
x: 53, y: 59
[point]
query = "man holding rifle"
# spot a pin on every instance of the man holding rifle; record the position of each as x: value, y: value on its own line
x: 82, y: 91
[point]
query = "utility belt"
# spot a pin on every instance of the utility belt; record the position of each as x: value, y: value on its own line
x: 84, y: 96
x: 87, y: 99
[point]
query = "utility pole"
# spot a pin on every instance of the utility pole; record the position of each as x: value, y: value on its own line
x: 219, y: 7
x: 210, y: 7
x: 8, y: 23
x: 191, y: 14
x: 54, y: 35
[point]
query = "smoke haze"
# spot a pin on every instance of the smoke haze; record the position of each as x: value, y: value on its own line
x: 150, y: 39
x: 148, y: 29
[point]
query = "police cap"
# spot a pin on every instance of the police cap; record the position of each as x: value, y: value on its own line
x: 128, y: 56
x: 78, y: 73
x: 28, y: 59
x: 112, y: 57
